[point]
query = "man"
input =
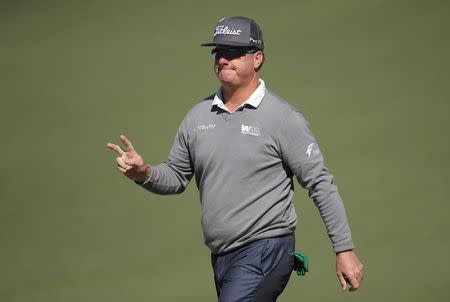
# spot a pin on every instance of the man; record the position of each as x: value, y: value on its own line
x: 244, y: 144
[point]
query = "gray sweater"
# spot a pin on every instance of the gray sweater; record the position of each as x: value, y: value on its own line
x: 244, y: 163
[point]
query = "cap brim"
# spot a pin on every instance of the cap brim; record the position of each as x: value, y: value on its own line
x: 230, y: 43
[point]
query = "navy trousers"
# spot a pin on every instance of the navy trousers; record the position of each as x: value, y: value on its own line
x: 257, y: 272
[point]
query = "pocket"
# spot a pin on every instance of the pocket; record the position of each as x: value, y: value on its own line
x: 277, y: 254
x: 249, y: 257
x: 268, y: 257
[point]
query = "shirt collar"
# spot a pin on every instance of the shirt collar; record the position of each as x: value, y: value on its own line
x: 254, y: 100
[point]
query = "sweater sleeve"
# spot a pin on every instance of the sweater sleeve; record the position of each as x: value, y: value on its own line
x: 173, y: 175
x: 302, y: 155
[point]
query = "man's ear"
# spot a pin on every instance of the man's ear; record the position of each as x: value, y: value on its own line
x: 258, y: 60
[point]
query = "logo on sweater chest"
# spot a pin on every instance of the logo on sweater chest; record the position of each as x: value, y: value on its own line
x: 250, y: 130
x: 204, y: 128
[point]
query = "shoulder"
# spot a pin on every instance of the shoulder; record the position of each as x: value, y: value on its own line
x: 278, y: 103
x: 280, y: 107
x: 201, y: 106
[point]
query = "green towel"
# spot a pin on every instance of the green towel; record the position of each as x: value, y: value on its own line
x: 300, y: 263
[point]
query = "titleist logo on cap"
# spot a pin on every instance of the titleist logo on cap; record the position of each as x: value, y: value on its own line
x: 237, y: 31
x: 224, y: 30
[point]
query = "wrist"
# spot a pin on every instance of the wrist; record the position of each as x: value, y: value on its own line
x: 344, y: 252
x: 145, y: 175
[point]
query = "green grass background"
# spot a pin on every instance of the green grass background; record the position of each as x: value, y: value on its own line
x: 372, y: 77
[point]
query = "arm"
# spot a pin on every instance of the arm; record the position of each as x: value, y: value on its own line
x: 302, y: 155
x: 170, y: 177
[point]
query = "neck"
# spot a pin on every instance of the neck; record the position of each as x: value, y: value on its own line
x: 235, y: 96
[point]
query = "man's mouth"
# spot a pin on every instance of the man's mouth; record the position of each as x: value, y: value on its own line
x: 224, y: 68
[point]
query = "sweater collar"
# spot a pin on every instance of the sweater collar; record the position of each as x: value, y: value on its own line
x: 254, y: 100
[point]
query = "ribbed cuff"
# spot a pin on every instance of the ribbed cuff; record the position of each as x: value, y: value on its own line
x: 343, y: 247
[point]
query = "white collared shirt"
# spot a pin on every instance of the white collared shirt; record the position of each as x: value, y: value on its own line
x: 254, y: 100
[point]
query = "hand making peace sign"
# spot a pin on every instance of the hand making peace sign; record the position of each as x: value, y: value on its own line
x: 129, y: 162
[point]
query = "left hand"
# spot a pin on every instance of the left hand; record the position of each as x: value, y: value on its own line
x: 129, y: 162
x: 349, y: 270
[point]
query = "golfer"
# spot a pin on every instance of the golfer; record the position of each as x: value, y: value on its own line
x: 244, y: 145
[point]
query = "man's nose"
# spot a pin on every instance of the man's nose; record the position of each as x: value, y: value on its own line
x: 222, y: 60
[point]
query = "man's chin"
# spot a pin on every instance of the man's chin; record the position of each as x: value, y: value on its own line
x: 228, y: 83
x: 226, y: 79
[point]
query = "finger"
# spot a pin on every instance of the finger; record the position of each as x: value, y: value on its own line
x: 353, y: 288
x: 354, y: 283
x: 121, y: 163
x: 361, y: 272
x: 359, y: 276
x: 121, y: 169
x: 115, y: 148
x: 131, y: 161
x: 127, y: 143
x: 342, y: 281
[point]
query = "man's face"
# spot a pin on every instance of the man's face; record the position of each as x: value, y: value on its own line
x: 236, y: 66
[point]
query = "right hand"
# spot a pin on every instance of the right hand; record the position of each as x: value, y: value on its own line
x: 129, y: 162
x: 349, y: 270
